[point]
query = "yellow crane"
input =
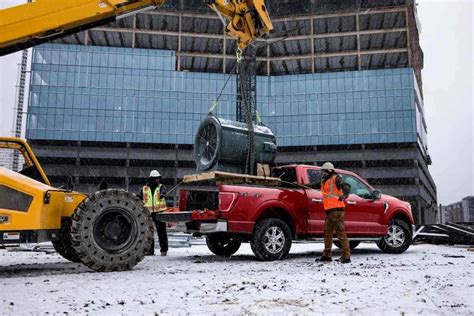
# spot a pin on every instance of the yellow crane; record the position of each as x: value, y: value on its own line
x: 41, y: 21
x: 109, y: 230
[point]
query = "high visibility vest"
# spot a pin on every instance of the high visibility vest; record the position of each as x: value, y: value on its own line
x: 153, y: 201
x: 331, y: 194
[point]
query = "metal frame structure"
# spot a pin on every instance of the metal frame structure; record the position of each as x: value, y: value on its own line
x: 354, y: 40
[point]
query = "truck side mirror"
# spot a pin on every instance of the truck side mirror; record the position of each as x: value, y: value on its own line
x: 376, y: 194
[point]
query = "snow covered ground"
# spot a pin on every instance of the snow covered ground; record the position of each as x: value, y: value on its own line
x: 427, y: 279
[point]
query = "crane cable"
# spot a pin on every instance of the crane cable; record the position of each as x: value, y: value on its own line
x: 247, y: 102
x: 238, y: 56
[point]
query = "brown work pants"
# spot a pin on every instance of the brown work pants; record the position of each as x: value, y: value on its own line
x: 335, y: 221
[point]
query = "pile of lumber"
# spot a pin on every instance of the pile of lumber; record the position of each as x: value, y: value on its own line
x: 219, y: 177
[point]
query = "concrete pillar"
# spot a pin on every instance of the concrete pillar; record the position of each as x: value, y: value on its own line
x: 418, y: 213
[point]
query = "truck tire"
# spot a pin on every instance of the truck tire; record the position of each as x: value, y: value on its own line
x: 398, y: 237
x: 271, y: 239
x: 63, y: 245
x: 223, y: 245
x: 352, y: 244
x: 111, y: 231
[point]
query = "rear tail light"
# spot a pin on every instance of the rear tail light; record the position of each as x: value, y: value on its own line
x: 183, y: 197
x: 226, y: 201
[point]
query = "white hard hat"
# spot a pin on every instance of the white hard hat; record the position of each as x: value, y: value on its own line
x: 155, y: 174
x: 328, y: 166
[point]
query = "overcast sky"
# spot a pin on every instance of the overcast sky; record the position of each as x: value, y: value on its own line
x: 447, y: 42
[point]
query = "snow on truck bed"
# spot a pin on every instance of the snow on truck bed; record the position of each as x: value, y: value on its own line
x: 427, y: 279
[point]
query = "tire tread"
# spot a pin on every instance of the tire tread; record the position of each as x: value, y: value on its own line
x: 92, y: 255
x: 257, y: 245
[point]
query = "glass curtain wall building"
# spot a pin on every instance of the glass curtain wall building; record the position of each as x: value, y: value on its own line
x: 107, y: 94
x: 115, y: 102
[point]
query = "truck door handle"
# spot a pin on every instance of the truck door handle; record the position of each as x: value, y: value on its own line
x: 351, y: 202
x: 316, y: 200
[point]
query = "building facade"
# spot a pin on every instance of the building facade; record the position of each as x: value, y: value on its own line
x: 6, y: 159
x: 460, y: 212
x: 114, y: 102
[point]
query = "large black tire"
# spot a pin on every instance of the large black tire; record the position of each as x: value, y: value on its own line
x: 63, y: 245
x: 264, y: 247
x: 223, y: 245
x: 111, y: 231
x: 398, y: 238
x: 352, y: 244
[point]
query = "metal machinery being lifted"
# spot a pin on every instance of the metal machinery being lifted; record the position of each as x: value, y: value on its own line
x: 109, y: 230
x: 236, y: 146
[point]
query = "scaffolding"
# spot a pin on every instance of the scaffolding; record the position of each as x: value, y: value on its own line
x: 20, y: 100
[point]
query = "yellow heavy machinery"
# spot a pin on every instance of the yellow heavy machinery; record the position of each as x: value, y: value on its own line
x: 41, y: 21
x: 109, y: 230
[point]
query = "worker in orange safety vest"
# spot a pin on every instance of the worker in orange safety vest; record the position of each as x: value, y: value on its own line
x: 334, y: 190
x: 153, y: 196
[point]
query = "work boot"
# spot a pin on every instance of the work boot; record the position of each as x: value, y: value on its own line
x: 163, y: 253
x: 324, y: 259
x: 345, y: 260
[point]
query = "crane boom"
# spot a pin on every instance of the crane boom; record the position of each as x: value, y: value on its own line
x: 41, y: 21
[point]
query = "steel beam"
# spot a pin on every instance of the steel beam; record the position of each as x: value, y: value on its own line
x: 220, y: 36
x: 299, y: 57
x: 211, y: 16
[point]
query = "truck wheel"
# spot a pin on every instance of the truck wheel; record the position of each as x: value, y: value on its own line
x: 271, y: 239
x: 111, y: 231
x: 398, y: 237
x: 63, y: 245
x: 352, y: 244
x: 222, y: 244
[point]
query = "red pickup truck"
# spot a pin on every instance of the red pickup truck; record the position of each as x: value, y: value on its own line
x: 271, y: 217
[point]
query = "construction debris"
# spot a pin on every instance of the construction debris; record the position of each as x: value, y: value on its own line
x: 449, y: 233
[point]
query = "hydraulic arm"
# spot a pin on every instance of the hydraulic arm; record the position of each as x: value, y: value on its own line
x: 245, y: 20
x: 41, y: 21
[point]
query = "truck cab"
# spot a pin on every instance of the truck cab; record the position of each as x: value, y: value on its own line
x: 367, y: 209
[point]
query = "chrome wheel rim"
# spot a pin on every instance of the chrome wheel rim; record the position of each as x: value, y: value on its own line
x: 395, y: 236
x: 274, y: 239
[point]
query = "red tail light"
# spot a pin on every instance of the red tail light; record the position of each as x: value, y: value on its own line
x: 183, y: 197
x: 226, y: 201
